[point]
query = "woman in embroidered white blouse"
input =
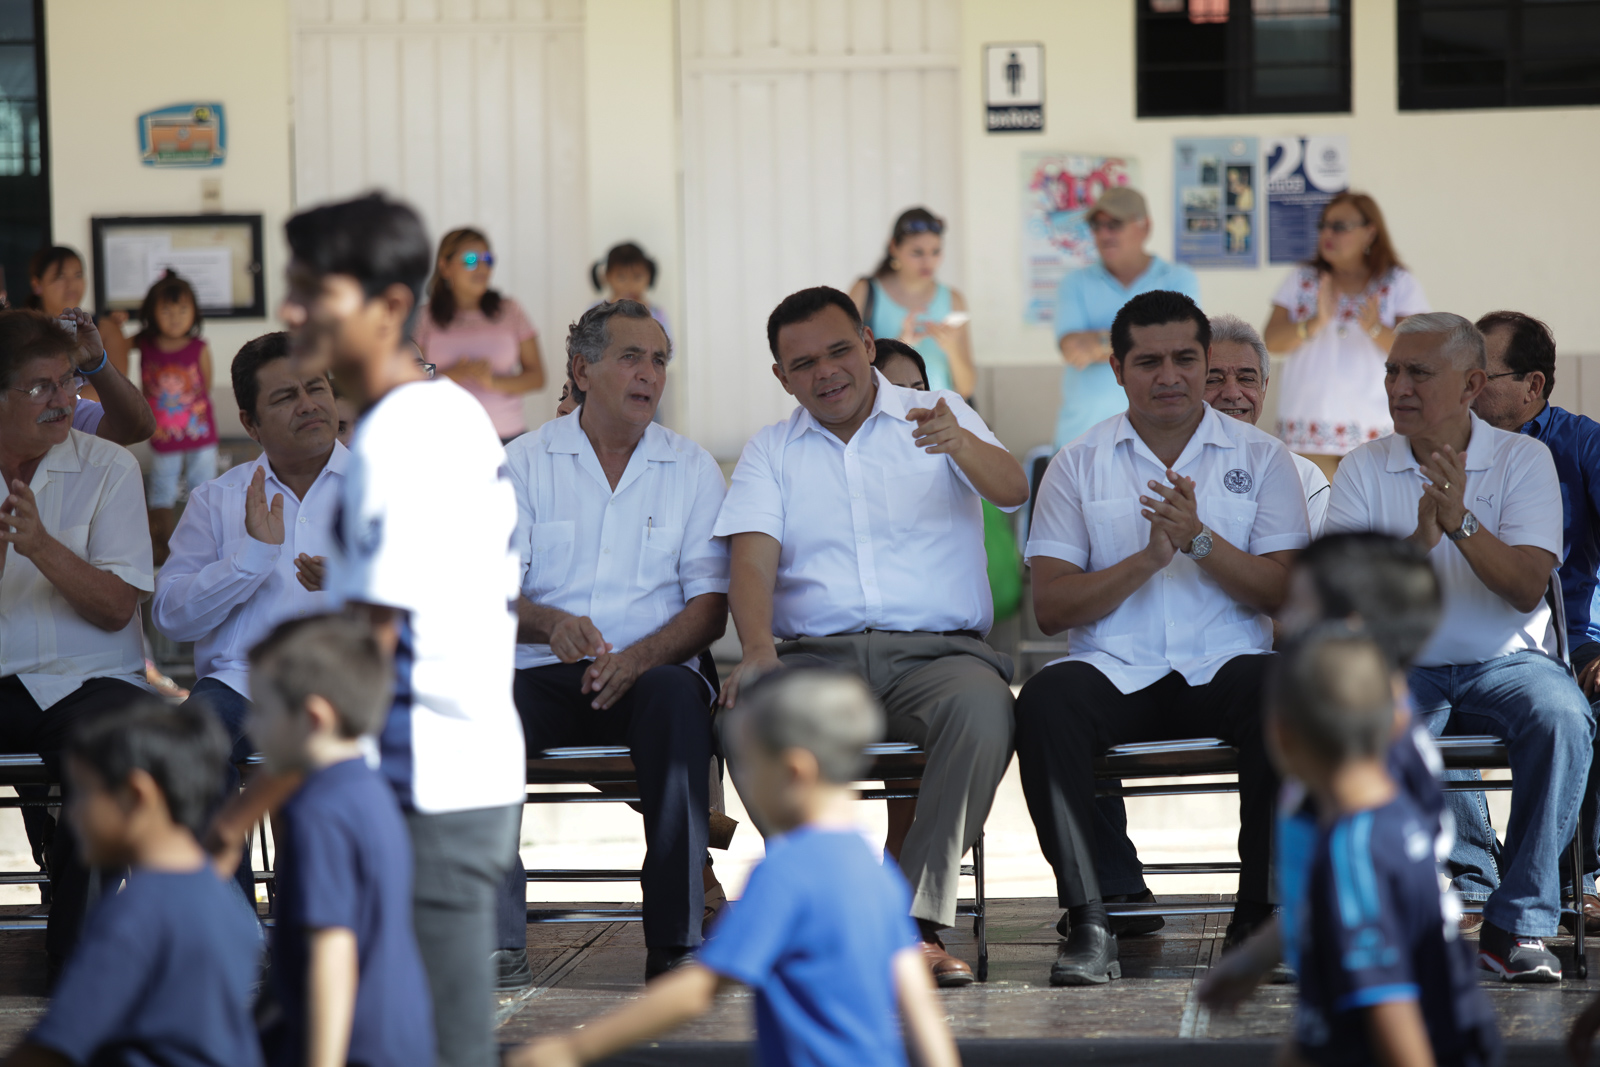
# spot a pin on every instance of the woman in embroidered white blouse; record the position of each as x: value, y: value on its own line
x: 1337, y: 315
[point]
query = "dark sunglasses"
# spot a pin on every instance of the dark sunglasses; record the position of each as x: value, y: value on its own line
x: 470, y: 260
x: 923, y: 226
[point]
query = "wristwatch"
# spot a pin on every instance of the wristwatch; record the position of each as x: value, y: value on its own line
x: 1200, y: 547
x: 1469, y: 526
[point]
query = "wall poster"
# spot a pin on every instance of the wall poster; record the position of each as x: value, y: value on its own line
x: 1057, y: 189
x: 1303, y: 174
x: 1215, y: 215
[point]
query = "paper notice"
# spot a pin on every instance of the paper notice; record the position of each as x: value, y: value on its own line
x: 208, y: 270
x: 128, y: 258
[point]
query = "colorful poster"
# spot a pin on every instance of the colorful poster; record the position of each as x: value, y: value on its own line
x: 1057, y: 189
x: 1303, y: 174
x: 1215, y: 214
x: 184, y: 135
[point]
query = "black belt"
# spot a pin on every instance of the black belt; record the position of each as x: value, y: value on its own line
x: 969, y: 634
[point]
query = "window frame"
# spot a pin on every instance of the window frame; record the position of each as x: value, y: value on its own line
x: 1412, y: 96
x: 1240, y: 69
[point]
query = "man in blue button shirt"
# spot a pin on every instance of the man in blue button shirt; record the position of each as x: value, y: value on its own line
x: 1522, y: 373
x: 1089, y: 299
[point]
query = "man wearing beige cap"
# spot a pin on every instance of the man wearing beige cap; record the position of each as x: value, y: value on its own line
x: 1090, y: 298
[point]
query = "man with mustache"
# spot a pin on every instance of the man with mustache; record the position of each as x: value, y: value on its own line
x: 1161, y: 539
x: 857, y: 539
x: 74, y: 564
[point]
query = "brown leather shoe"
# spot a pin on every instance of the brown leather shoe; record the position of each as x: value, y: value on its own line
x: 1471, y: 924
x: 1591, y: 916
x: 948, y: 972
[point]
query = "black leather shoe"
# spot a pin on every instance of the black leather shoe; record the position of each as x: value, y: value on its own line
x: 1087, y: 957
x: 1134, y: 925
x: 1244, y: 923
x: 511, y: 970
x: 658, y: 961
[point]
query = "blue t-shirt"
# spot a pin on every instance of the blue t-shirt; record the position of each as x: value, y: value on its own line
x: 1378, y: 930
x: 813, y: 935
x: 345, y: 861
x: 1089, y: 299
x: 164, y: 973
x: 1574, y: 443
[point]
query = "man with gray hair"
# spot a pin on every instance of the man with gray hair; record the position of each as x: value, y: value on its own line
x: 623, y: 587
x: 1236, y: 382
x: 1486, y: 507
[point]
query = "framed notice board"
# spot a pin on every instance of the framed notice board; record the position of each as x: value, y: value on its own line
x: 219, y: 255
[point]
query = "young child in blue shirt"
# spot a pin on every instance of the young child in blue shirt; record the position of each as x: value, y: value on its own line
x: 821, y: 933
x: 347, y: 976
x: 166, y: 967
x: 1385, y: 975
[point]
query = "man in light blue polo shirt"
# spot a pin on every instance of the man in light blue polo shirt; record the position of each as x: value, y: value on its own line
x: 1090, y: 298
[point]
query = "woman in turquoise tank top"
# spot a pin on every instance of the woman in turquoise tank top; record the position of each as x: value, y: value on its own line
x: 904, y: 300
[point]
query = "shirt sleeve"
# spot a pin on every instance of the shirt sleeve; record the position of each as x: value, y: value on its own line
x: 119, y: 536
x: 87, y: 415
x: 1070, y: 317
x: 1349, y: 510
x: 1289, y: 295
x: 100, y: 991
x: 202, y: 580
x: 518, y: 321
x: 703, y: 562
x: 519, y: 464
x: 1280, y: 524
x: 322, y: 874
x: 1185, y: 281
x: 1317, y: 508
x: 1369, y: 952
x: 1531, y: 514
x: 752, y: 936
x: 1058, y: 529
x: 970, y: 420
x: 1406, y: 296
x: 754, y: 502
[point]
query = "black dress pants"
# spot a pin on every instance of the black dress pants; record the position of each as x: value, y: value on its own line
x: 1069, y: 714
x: 27, y: 728
x: 665, y: 720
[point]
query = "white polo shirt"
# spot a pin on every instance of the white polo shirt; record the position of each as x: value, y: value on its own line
x: 426, y: 528
x: 629, y: 559
x: 1088, y: 515
x: 875, y: 534
x: 1317, y: 492
x: 1513, y: 490
x: 223, y: 589
x: 90, y: 498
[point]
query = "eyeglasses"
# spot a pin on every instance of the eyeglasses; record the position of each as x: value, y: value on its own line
x: 1341, y: 226
x: 1100, y: 223
x: 470, y: 260
x: 1507, y: 374
x: 923, y: 226
x: 428, y: 369
x: 69, y: 385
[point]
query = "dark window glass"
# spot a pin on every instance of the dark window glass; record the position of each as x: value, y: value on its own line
x: 1243, y: 57
x: 24, y: 165
x: 1498, y: 53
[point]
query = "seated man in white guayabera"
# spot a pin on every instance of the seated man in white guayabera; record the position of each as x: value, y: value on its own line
x: 857, y: 541
x: 1485, y: 505
x: 623, y: 587
x: 1161, y: 540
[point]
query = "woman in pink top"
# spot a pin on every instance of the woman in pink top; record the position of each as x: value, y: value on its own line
x: 478, y: 338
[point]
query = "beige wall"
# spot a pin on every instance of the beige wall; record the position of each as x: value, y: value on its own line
x: 1489, y: 208
x: 110, y: 60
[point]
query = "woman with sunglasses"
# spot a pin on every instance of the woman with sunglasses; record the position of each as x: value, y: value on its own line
x: 1337, y: 314
x: 477, y: 337
x: 904, y: 299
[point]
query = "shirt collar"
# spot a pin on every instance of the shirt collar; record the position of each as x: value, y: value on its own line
x: 567, y: 438
x: 1479, y: 457
x: 1537, y: 425
x: 338, y: 463
x: 887, y: 402
x: 63, y: 457
x: 1211, y: 431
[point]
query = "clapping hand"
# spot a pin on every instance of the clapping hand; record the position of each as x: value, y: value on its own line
x: 1370, y: 322
x: 311, y: 572
x: 1447, y: 474
x: 938, y: 432
x: 261, y: 522
x: 476, y: 371
x: 1327, y: 303
x: 20, y: 526
x: 1176, y: 514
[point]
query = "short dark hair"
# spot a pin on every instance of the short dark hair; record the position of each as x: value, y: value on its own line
x: 184, y: 749
x: 28, y: 334
x: 886, y: 348
x: 375, y: 240
x: 829, y: 713
x: 331, y: 656
x: 588, y: 337
x: 807, y: 303
x: 627, y: 254
x: 41, y: 263
x: 1331, y: 688
x: 170, y: 288
x: 1157, y: 308
x: 1385, y: 581
x: 255, y: 354
x: 1531, y: 346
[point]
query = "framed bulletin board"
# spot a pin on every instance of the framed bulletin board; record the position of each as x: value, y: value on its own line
x: 219, y: 255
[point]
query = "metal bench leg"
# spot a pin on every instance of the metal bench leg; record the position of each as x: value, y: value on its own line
x: 1580, y: 960
x: 980, y: 921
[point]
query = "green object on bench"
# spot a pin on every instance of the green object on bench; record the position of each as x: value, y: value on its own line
x: 1005, y: 562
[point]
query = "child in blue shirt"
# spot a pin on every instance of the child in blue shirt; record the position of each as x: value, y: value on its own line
x: 346, y: 972
x: 1385, y: 975
x: 821, y: 933
x: 165, y: 969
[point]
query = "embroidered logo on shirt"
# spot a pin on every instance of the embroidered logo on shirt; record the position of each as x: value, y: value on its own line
x: 371, y: 537
x: 1489, y: 500
x: 1238, y: 480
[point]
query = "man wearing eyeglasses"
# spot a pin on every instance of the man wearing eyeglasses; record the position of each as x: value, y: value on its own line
x: 74, y: 565
x: 1089, y: 299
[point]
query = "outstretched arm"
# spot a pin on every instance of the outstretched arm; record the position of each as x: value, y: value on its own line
x: 993, y: 472
x: 668, y: 1002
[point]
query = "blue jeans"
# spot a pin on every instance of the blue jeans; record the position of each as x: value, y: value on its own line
x: 233, y: 710
x: 1531, y: 703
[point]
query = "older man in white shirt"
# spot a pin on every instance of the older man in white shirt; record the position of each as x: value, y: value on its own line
x: 1161, y: 540
x: 857, y: 540
x: 623, y: 587
x: 1486, y: 507
x: 74, y: 564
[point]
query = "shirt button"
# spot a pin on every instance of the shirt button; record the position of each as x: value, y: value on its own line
x: 1171, y: 623
x: 302, y: 518
x: 861, y: 540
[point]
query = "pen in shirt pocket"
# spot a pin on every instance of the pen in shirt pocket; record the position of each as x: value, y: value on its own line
x: 649, y: 527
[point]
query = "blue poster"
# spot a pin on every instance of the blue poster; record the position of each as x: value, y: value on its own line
x: 1214, y: 191
x: 1303, y: 174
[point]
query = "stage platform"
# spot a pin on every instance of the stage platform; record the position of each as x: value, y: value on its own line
x: 1150, y: 1016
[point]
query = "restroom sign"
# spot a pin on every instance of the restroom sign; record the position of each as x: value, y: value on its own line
x: 1014, y: 87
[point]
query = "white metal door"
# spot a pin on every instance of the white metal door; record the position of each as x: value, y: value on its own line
x: 808, y: 125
